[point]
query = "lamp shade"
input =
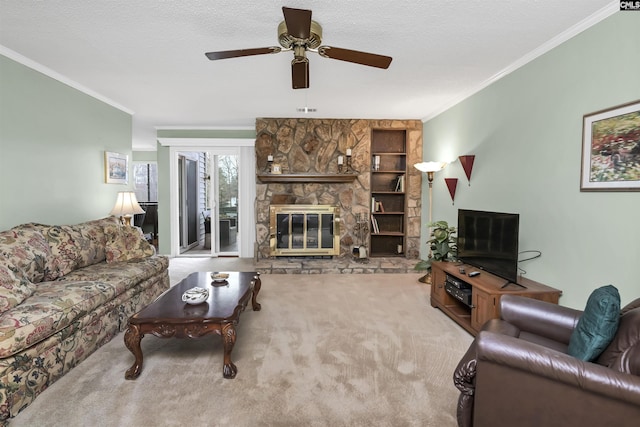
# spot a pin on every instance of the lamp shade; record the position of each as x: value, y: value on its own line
x: 430, y: 166
x: 126, y: 204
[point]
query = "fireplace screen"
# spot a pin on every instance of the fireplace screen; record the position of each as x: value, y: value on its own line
x: 304, y: 230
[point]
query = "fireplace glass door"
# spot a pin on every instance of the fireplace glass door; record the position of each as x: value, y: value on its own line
x: 304, y: 230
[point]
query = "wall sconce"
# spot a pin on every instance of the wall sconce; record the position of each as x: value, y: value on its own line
x: 126, y: 206
x: 467, y: 165
x: 452, y: 184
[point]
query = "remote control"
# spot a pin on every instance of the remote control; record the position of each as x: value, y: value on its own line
x: 474, y: 274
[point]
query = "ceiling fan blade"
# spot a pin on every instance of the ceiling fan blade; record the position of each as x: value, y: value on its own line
x: 362, y: 58
x: 300, y: 73
x: 298, y: 22
x: 242, y: 52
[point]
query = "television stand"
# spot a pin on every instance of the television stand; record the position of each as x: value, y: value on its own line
x: 483, y: 303
x: 509, y: 282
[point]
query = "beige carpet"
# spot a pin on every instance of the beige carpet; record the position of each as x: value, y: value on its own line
x: 326, y: 350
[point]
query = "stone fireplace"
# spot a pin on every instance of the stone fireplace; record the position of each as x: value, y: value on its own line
x: 307, y: 151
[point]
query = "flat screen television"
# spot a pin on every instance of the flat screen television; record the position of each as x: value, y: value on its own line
x: 489, y: 241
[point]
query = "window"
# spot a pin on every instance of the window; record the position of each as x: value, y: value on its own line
x: 145, y: 181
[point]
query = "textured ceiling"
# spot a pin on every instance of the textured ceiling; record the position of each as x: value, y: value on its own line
x: 147, y: 56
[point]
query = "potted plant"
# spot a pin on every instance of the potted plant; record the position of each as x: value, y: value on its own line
x: 206, y: 216
x: 442, y: 247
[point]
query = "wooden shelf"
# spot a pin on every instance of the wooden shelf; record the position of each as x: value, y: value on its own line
x: 271, y: 177
x: 390, y: 146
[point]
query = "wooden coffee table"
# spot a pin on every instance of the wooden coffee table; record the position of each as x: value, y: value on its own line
x: 168, y: 316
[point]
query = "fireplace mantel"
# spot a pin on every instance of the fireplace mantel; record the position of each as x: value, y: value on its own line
x: 343, y: 177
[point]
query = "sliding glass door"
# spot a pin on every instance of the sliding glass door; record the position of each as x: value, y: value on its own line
x: 225, y: 203
x: 224, y: 196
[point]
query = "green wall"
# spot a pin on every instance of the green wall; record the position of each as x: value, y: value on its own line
x: 526, y: 133
x: 145, y: 156
x: 52, y: 143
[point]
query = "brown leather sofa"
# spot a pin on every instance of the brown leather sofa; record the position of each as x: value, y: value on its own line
x: 517, y: 371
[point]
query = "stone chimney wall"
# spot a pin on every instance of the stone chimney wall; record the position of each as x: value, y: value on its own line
x: 312, y: 146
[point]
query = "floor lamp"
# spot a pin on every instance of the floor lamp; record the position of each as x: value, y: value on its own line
x: 430, y: 168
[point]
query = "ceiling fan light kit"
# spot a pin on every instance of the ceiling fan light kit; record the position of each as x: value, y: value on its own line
x: 298, y: 33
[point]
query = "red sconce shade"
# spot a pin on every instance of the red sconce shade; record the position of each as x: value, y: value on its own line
x: 452, y: 183
x: 467, y: 165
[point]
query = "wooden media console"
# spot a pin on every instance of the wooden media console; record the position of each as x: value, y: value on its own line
x: 471, y: 301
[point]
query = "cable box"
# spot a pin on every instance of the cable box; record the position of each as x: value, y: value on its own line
x: 462, y: 295
x: 457, y: 282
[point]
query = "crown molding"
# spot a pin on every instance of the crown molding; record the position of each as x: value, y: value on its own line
x: 556, y: 41
x: 59, y: 77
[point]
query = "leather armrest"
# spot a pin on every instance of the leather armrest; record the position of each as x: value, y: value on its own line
x: 539, y: 317
x: 539, y: 361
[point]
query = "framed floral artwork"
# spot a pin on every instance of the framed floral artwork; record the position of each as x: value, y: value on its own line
x: 116, y: 168
x: 611, y: 149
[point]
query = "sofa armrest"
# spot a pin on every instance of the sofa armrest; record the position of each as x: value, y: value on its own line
x: 539, y: 317
x: 522, y: 383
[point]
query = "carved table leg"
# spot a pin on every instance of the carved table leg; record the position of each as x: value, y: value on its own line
x: 132, y: 338
x: 229, y: 370
x: 257, y: 284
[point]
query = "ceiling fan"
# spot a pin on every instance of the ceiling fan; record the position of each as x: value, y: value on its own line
x: 298, y: 33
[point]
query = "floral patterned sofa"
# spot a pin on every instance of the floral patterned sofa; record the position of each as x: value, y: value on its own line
x: 65, y: 290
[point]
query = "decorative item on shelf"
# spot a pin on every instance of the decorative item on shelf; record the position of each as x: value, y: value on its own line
x: 430, y: 168
x: 276, y: 169
x: 349, y: 169
x: 269, y: 163
x: 376, y: 163
x: 340, y: 163
x: 467, y: 165
x: 442, y: 247
x: 126, y: 206
x: 452, y: 184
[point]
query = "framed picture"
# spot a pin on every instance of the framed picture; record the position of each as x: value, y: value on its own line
x: 611, y: 149
x: 116, y: 168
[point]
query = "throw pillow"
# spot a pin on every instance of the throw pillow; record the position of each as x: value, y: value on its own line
x: 14, y: 287
x: 597, y: 325
x: 25, y: 247
x: 64, y: 251
x: 126, y: 243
